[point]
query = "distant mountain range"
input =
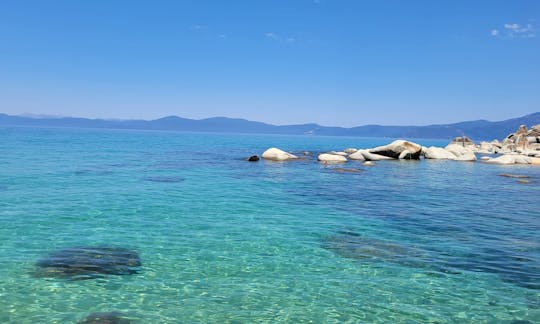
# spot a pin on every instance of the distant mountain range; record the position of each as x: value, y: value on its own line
x: 477, y: 129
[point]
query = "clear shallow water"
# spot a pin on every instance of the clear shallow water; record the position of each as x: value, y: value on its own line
x: 224, y: 240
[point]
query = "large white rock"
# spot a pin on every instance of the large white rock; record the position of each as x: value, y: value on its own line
x: 338, y: 153
x: 357, y: 155
x: 510, y: 159
x: 396, y: 148
x: 331, y: 158
x: 368, y: 156
x: 461, y: 153
x: 438, y: 153
x: 350, y: 150
x: 276, y: 154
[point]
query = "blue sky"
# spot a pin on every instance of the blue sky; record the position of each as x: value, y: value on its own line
x: 332, y: 62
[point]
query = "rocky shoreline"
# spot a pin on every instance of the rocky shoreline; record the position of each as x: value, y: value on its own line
x: 521, y: 147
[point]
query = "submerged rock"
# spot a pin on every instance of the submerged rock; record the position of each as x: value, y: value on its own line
x: 105, y: 318
x: 165, y: 179
x: 88, y: 262
x: 253, y: 158
x: 276, y: 154
x: 399, y: 149
x: 367, y: 249
x: 524, y: 181
x: 511, y: 266
x: 347, y: 170
x: 517, y: 176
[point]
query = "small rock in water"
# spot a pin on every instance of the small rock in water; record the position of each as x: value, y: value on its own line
x: 331, y: 158
x: 105, y: 318
x: 253, y: 158
x: 524, y: 181
x: 347, y: 170
x: 517, y: 176
x: 88, y: 262
x: 368, y: 163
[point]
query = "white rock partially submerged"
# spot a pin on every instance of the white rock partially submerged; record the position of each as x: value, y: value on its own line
x: 399, y: 149
x: 338, y: 153
x: 331, y: 158
x: 510, y: 159
x: 357, y: 155
x: 438, y: 153
x: 368, y: 156
x: 276, y: 154
x: 350, y: 150
x: 461, y: 153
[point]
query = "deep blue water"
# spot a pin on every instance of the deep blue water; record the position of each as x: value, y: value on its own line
x: 221, y: 239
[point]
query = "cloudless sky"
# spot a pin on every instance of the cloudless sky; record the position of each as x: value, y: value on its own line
x: 333, y: 62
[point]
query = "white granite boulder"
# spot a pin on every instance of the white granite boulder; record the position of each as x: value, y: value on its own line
x: 399, y: 149
x: 438, y: 153
x: 510, y: 159
x: 276, y: 154
x: 461, y: 153
x: 331, y: 158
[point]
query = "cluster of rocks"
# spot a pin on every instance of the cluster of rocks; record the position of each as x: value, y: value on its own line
x: 521, y: 147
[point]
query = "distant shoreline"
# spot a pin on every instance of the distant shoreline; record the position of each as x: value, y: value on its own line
x: 476, y: 130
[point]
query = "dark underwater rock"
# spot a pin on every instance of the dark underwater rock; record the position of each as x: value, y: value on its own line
x: 347, y: 170
x: 354, y: 246
x: 510, y: 266
x: 88, y: 262
x: 164, y: 179
x: 253, y: 158
x: 105, y: 318
x: 516, y: 176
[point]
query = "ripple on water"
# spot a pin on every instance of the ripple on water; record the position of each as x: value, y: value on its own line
x: 78, y: 263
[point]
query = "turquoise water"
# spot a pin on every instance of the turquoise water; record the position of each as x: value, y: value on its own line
x: 224, y: 240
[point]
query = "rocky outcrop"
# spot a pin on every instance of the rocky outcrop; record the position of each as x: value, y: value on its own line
x: 461, y: 153
x: 275, y: 154
x: 523, y: 141
x: 464, y: 141
x: 331, y: 158
x: 399, y: 149
x: 438, y: 153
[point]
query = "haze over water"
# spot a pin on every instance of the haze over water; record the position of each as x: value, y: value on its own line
x: 221, y: 239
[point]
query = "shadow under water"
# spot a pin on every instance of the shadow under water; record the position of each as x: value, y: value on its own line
x: 510, y: 267
x: 79, y: 263
x: 105, y: 318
